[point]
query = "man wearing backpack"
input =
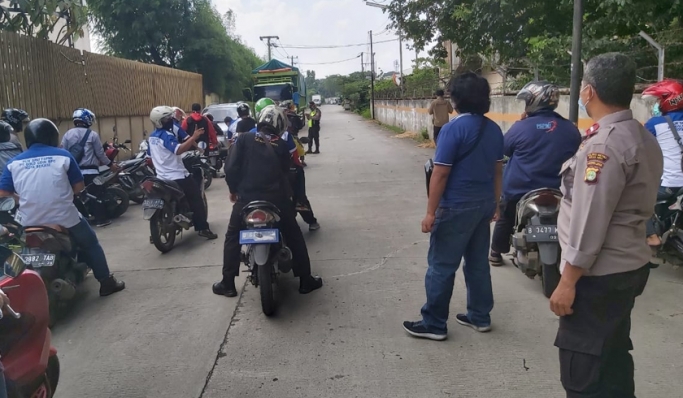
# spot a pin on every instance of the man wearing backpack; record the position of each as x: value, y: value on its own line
x: 85, y: 146
x: 197, y: 120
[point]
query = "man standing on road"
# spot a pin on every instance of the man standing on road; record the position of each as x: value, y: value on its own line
x: 313, y: 128
x: 609, y: 189
x: 440, y: 109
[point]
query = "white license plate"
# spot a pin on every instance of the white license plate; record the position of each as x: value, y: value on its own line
x: 213, y: 153
x: 256, y: 236
x: 541, y: 233
x: 39, y: 260
x: 153, y: 204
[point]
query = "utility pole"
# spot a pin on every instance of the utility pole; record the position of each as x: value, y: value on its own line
x: 577, y: 66
x: 372, y: 78
x: 269, y: 38
x: 362, y: 67
x: 292, y: 57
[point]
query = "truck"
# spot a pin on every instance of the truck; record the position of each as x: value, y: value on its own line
x: 279, y: 82
x: 317, y: 99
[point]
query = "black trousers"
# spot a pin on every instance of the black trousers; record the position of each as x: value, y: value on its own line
x: 595, y: 340
x: 314, y: 136
x: 505, y: 225
x: 437, y: 130
x: 95, y: 207
x: 299, y: 198
x: 193, y: 195
x: 301, y: 265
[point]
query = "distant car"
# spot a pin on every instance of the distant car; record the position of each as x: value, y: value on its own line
x: 220, y: 112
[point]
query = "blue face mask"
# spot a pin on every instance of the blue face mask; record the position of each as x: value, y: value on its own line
x: 656, y: 111
x: 582, y: 105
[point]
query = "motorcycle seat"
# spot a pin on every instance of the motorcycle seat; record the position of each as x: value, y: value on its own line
x: 171, y: 185
x: 60, y: 241
x: 261, y: 204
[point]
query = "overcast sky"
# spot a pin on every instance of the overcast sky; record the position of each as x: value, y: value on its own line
x: 318, y: 23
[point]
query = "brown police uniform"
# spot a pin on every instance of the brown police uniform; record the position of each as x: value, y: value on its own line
x: 609, y: 187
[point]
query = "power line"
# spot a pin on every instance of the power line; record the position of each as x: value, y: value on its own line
x: 328, y: 63
x: 307, y: 47
x: 283, y: 49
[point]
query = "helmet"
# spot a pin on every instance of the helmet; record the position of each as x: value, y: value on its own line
x: 273, y: 119
x: 84, y: 116
x: 160, y: 116
x: 179, y: 114
x: 6, y: 131
x: 243, y: 110
x: 15, y: 117
x: 539, y: 96
x: 668, y: 93
x: 262, y: 103
x: 41, y: 131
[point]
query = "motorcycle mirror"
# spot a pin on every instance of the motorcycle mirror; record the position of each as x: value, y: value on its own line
x: 127, y: 141
x: 7, y: 203
x: 201, y: 145
x: 14, y: 264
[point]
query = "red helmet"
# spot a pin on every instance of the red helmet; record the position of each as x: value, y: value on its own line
x: 669, y: 94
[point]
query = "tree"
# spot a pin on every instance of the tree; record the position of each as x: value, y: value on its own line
x: 40, y: 18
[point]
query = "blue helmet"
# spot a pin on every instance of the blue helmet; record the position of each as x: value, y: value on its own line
x: 84, y: 116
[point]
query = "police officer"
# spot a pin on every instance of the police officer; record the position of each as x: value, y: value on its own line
x: 313, y: 127
x: 609, y: 189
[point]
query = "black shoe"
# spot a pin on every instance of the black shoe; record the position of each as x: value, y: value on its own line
x: 226, y: 288
x: 207, y: 234
x: 309, y: 151
x: 417, y: 329
x: 317, y: 151
x: 309, y: 283
x: 110, y: 286
x: 495, y: 259
x: 102, y: 223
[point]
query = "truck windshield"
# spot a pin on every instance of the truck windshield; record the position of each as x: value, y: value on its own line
x: 278, y: 92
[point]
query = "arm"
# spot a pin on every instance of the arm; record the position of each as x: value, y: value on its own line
x: 510, y: 140
x: 233, y: 165
x: 318, y: 114
x: 437, y: 185
x: 430, y: 110
x: 6, y: 182
x: 99, y: 150
x: 446, y: 152
x: 188, y: 145
x: 64, y: 142
x: 450, y: 108
x: 75, y: 176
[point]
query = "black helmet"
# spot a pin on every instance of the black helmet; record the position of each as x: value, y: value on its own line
x: 15, y: 117
x: 243, y: 110
x: 5, y: 131
x: 41, y: 131
x: 539, y: 96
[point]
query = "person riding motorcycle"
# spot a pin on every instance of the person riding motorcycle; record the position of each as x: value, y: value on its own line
x: 16, y: 118
x: 8, y: 150
x: 537, y: 146
x: 246, y: 122
x: 46, y: 178
x: 667, y: 112
x: 197, y: 120
x: 93, y: 158
x: 257, y: 169
x: 165, y: 151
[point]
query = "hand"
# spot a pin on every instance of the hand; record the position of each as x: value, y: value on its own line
x: 198, y: 133
x: 496, y: 215
x: 233, y: 197
x: 114, y: 167
x: 563, y: 298
x: 4, y: 300
x: 428, y: 223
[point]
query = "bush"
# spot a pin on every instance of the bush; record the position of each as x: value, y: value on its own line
x: 425, y: 134
x: 366, y: 113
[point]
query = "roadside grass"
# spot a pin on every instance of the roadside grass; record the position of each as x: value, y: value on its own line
x: 422, y: 138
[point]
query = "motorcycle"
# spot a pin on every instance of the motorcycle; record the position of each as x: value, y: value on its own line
x: 165, y: 205
x: 209, y: 171
x: 264, y: 250
x: 130, y: 176
x: 668, y: 220
x: 30, y: 362
x: 115, y: 199
x: 112, y: 149
x: 537, y: 248
x: 217, y: 155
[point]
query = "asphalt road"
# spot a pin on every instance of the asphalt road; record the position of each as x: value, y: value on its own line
x: 167, y: 335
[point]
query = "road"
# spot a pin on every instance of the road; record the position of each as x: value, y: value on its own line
x: 168, y: 335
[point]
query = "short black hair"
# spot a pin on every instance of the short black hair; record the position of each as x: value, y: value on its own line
x: 196, y: 107
x: 470, y: 93
x: 613, y: 76
x: 440, y: 93
x: 227, y: 120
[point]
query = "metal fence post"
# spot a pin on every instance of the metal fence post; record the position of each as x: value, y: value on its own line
x: 660, y: 54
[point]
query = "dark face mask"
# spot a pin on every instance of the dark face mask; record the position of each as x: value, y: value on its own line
x: 168, y: 125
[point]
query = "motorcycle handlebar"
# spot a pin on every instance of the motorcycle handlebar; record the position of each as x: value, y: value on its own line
x: 12, y: 313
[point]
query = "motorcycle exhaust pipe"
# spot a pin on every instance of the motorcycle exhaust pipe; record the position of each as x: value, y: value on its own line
x: 62, y: 289
x: 183, y: 221
x: 284, y: 254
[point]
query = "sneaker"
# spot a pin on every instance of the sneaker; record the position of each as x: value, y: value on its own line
x: 110, y: 286
x: 314, y: 227
x: 226, y: 288
x: 465, y: 321
x: 309, y: 283
x: 495, y: 259
x: 208, y: 234
x: 417, y: 329
x: 103, y: 223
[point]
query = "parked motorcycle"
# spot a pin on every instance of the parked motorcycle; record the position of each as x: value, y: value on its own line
x: 30, y: 362
x: 535, y: 238
x: 165, y: 205
x: 114, y: 198
x: 132, y: 173
x: 668, y: 220
x: 217, y: 156
x: 264, y: 250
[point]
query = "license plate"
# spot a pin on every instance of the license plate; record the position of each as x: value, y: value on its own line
x: 256, y: 236
x: 213, y: 153
x: 39, y: 260
x: 153, y: 204
x: 541, y: 233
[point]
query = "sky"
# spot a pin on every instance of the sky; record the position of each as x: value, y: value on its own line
x: 318, y: 23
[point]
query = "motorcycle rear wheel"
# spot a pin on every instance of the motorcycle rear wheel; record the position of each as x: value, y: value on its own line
x: 265, y: 280
x: 208, y: 179
x: 52, y: 372
x: 550, y: 278
x: 116, y: 202
x: 163, y: 230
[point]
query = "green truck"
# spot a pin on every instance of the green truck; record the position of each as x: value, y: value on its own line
x: 279, y: 82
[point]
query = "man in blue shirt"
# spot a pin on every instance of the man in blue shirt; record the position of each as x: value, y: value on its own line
x: 537, y: 146
x: 46, y: 178
x: 463, y: 193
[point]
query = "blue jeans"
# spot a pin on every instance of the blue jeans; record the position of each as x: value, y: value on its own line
x: 461, y: 231
x: 664, y: 193
x: 89, y: 249
x: 3, y: 385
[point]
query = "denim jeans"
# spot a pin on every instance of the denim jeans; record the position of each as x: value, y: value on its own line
x: 461, y: 231
x: 664, y: 193
x: 3, y: 385
x: 89, y: 249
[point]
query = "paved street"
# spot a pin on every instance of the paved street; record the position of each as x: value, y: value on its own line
x: 167, y: 335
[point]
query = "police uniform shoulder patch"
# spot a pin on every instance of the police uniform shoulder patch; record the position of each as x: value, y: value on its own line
x: 596, y: 161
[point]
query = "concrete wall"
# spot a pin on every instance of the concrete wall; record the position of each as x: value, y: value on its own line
x: 412, y: 115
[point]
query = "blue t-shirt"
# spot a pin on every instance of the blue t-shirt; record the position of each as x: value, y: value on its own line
x: 43, y: 177
x: 537, y: 147
x: 471, y: 178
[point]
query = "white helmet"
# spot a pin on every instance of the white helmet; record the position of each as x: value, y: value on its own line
x: 178, y: 114
x: 159, y: 115
x: 273, y: 117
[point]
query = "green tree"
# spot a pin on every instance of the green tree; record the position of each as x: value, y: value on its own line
x: 40, y: 18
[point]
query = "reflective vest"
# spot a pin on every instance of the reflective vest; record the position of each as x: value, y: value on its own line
x: 310, y: 121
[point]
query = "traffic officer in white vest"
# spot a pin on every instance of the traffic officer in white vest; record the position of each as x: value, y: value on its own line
x: 609, y: 189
